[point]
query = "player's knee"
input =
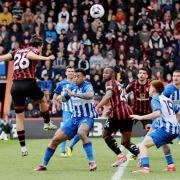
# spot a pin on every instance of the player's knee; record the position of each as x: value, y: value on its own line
x: 106, y: 135
x: 18, y: 111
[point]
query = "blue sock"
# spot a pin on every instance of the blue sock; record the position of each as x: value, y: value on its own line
x: 63, y: 147
x: 145, y: 161
x: 169, y: 159
x: 75, y: 139
x: 47, y: 156
x: 89, y: 152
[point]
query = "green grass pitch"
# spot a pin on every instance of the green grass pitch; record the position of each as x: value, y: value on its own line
x: 15, y: 167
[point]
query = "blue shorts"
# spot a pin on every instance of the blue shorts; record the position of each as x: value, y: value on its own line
x: 155, y: 124
x: 161, y: 137
x: 70, y: 127
x: 66, y: 116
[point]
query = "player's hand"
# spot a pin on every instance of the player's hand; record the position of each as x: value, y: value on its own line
x: 137, y: 117
x: 59, y: 99
x: 51, y: 57
x: 54, y: 110
x: 70, y: 93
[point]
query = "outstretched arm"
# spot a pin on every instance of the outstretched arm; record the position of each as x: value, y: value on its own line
x: 33, y: 56
x: 6, y: 57
x: 152, y: 115
x: 105, y: 99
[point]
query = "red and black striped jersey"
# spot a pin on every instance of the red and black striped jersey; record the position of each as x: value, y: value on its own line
x: 23, y: 68
x: 142, y: 100
x: 120, y: 108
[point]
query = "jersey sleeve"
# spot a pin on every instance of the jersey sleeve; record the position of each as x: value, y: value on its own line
x: 109, y: 86
x: 129, y: 87
x: 176, y: 109
x: 155, y: 104
x: 88, y: 88
x: 58, y: 89
x: 167, y: 91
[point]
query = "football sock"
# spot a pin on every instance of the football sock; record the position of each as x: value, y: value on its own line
x: 46, y: 117
x: 112, y: 144
x: 145, y: 161
x: 75, y: 139
x: 132, y: 148
x: 47, y: 156
x: 169, y: 159
x: 89, y: 152
x: 63, y: 147
x: 21, y: 137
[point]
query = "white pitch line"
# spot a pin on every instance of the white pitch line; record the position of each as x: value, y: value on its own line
x: 121, y: 169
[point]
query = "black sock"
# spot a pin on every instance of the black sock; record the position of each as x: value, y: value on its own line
x: 21, y: 137
x: 45, y: 116
x: 112, y: 144
x: 132, y: 148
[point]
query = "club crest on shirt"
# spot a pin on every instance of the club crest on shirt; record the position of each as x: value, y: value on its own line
x: 154, y: 106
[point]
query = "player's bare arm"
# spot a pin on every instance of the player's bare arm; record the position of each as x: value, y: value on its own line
x: 34, y: 56
x: 105, y: 99
x: 6, y: 57
x: 54, y: 103
x: 152, y: 115
x: 88, y: 95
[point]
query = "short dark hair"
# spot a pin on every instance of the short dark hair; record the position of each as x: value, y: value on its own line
x: 69, y: 67
x: 36, y: 41
x: 176, y: 71
x: 158, y: 85
x: 143, y: 69
x: 80, y: 70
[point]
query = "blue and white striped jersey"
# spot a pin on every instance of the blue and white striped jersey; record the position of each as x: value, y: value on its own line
x: 83, y: 107
x: 60, y: 89
x: 173, y: 93
x: 168, y: 109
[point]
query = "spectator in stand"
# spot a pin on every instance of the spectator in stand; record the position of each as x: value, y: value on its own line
x: 71, y: 31
x: 15, y: 31
x: 17, y: 10
x: 47, y: 69
x: 169, y: 68
x: 157, y: 68
x: 39, y: 16
x: 62, y: 25
x: 83, y: 63
x: 109, y: 60
x: 96, y: 59
x: 73, y: 45
x: 5, y: 17
x: 32, y: 111
x: 144, y: 34
x: 168, y: 79
x: 50, y: 31
x: 59, y: 63
x: 97, y: 84
x: 46, y: 86
x: 155, y: 41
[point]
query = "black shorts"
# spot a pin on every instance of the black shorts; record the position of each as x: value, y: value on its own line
x: 21, y: 89
x: 123, y: 125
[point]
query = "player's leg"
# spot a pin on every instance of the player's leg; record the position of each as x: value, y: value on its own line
x: 18, y: 91
x: 112, y: 125
x: 144, y: 158
x: 66, y: 132
x: 59, y: 137
x: 169, y: 158
x: 38, y: 95
x: 73, y: 142
x: 86, y: 125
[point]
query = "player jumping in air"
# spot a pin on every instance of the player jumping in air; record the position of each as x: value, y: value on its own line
x: 24, y: 85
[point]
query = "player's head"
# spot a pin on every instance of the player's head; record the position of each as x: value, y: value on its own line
x: 108, y: 73
x: 36, y: 41
x: 69, y: 72
x: 79, y: 76
x: 157, y: 87
x: 176, y: 77
x: 142, y: 74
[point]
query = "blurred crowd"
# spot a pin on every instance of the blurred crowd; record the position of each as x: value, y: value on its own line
x: 131, y: 34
